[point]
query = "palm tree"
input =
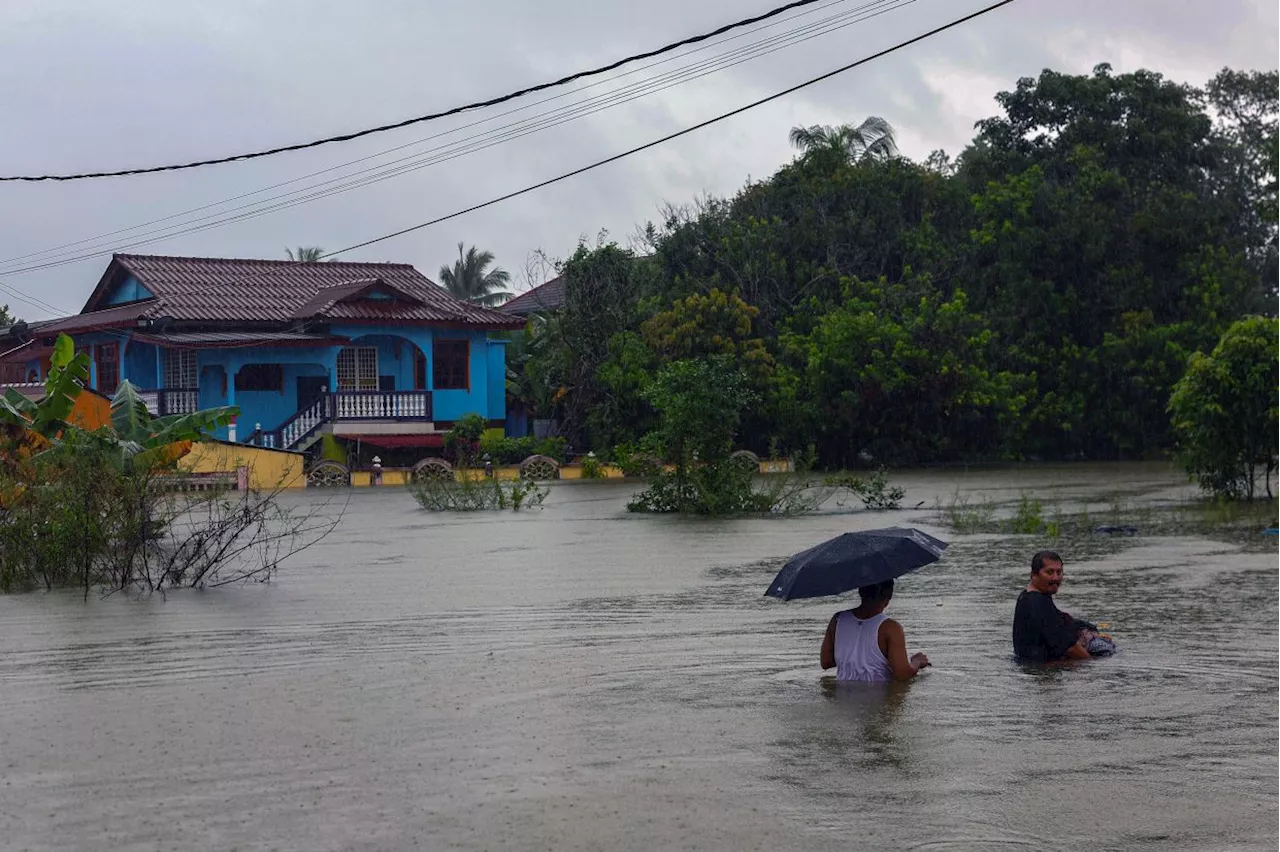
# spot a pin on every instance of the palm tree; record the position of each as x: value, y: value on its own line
x: 305, y: 254
x: 469, y: 280
x: 873, y: 139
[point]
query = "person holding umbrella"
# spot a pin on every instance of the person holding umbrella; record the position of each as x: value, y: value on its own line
x: 861, y: 643
x: 864, y: 644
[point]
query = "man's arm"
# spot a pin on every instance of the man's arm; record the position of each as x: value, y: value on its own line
x: 828, y: 654
x: 896, y: 651
x: 1060, y: 637
x: 1078, y: 652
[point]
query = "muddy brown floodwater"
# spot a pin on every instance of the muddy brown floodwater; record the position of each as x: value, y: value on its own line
x: 578, y: 678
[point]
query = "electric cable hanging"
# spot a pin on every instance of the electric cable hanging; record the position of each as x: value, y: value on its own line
x: 327, y: 169
x: 661, y: 140
x: 597, y: 164
x: 346, y: 137
x: 465, y: 146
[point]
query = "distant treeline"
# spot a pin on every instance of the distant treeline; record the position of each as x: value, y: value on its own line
x: 1035, y: 297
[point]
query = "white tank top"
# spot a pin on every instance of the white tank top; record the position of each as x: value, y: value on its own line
x: 858, y: 654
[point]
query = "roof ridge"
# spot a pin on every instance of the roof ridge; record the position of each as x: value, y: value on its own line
x: 377, y: 263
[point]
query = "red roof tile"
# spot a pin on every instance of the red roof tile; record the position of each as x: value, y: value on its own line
x: 123, y: 316
x: 231, y: 339
x: 234, y: 290
x: 548, y: 296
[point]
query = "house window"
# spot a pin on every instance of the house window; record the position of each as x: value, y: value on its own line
x: 180, y: 370
x: 452, y: 364
x: 419, y: 369
x: 106, y: 357
x: 12, y: 374
x: 358, y: 368
x: 260, y: 377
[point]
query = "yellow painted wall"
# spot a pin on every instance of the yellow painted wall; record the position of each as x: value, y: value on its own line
x: 90, y: 412
x: 574, y: 471
x: 268, y: 469
x: 395, y: 476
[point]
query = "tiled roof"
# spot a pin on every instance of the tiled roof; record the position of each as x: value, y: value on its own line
x: 215, y: 339
x: 544, y: 297
x: 123, y: 316
x: 343, y: 301
x: 234, y: 290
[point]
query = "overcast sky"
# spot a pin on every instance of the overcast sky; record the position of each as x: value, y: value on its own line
x: 91, y: 84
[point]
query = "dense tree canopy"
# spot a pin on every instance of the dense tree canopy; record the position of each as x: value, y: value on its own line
x: 1037, y: 296
x: 1224, y: 410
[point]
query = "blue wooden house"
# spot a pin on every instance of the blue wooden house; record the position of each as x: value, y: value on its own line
x: 370, y: 351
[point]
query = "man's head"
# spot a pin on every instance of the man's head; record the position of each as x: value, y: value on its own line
x: 877, y: 594
x: 1046, y: 572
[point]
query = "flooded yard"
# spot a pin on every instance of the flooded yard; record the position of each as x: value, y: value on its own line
x: 575, y: 677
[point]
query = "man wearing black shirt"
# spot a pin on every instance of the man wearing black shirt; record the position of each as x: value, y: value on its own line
x: 1040, y: 631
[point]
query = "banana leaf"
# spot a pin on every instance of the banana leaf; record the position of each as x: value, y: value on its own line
x: 163, y: 456
x: 129, y: 416
x: 193, y: 426
x: 68, y: 374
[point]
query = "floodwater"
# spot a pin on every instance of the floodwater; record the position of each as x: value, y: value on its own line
x: 578, y: 678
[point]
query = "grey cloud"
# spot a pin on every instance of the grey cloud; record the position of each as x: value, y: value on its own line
x: 87, y: 84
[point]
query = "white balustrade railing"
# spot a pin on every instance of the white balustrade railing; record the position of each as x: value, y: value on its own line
x: 346, y: 405
x: 382, y: 405
x: 301, y: 425
x: 164, y: 401
x: 183, y: 401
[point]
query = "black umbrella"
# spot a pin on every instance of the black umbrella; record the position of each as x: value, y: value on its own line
x: 855, y: 559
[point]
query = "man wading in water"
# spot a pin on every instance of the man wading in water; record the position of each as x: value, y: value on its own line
x: 864, y: 644
x: 1041, y: 632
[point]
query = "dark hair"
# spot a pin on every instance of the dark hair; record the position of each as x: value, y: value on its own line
x: 876, y: 592
x: 1037, y: 561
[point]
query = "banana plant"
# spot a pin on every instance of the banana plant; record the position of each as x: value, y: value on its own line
x: 68, y: 374
x: 151, y: 442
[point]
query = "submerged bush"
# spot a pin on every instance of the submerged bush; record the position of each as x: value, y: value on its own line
x: 472, y: 495
x: 92, y: 522
x: 727, y: 489
x: 875, y: 491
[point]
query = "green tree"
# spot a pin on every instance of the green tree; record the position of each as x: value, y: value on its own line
x: 899, y: 373
x: 873, y: 139
x: 699, y: 403
x: 471, y: 280
x: 1224, y: 410
x: 716, y: 323
x: 305, y: 254
x: 1036, y: 297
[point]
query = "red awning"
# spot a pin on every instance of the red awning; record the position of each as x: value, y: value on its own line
x: 388, y: 442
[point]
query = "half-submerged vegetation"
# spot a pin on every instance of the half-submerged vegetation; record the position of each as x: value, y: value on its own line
x: 471, y: 493
x: 1036, y: 298
x: 93, y: 508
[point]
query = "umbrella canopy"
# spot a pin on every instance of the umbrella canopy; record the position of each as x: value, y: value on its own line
x: 855, y: 559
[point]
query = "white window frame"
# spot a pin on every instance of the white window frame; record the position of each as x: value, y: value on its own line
x: 181, y: 369
x: 358, y: 368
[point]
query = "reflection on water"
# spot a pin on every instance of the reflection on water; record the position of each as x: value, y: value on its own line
x: 577, y: 678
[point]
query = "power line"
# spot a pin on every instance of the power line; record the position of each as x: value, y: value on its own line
x: 253, y: 155
x: 654, y: 143
x: 468, y: 145
x: 675, y: 135
x: 403, y: 146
